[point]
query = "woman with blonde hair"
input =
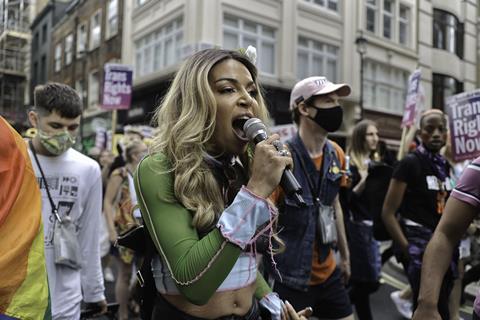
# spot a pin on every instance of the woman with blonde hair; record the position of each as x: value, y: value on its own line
x: 364, y: 249
x: 203, y: 193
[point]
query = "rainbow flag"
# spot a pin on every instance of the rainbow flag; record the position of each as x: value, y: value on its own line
x: 23, y: 275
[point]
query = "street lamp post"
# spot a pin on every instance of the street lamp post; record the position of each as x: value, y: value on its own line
x: 361, y: 43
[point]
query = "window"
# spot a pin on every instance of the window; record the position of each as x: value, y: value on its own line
x: 403, y: 25
x: 384, y: 87
x: 316, y: 58
x: 43, y: 70
x: 443, y: 87
x: 68, y: 49
x: 80, y: 87
x: 81, y: 39
x: 159, y: 49
x: 447, y: 32
x: 240, y: 33
x: 93, y: 89
x: 328, y: 4
x: 112, y: 18
x: 371, y: 14
x: 44, y: 33
x: 95, y: 29
x: 35, y: 74
x: 35, y: 42
x: 58, y: 57
x: 139, y: 3
x: 388, y: 18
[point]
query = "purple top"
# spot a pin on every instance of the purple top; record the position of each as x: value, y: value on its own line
x: 468, y: 190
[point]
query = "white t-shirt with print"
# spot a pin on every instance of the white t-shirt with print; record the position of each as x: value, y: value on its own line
x: 74, y: 181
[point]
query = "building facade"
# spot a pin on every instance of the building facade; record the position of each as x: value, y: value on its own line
x: 83, y: 41
x: 14, y: 49
x: 47, y: 16
x: 299, y: 38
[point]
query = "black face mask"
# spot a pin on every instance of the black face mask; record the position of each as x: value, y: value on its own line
x: 329, y: 119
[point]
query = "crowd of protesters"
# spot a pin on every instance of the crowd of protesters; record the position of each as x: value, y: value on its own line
x: 221, y: 237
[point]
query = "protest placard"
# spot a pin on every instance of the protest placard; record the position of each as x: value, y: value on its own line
x: 463, y: 111
x: 412, y: 99
x: 117, y: 87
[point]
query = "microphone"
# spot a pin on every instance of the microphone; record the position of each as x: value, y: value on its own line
x: 256, y: 132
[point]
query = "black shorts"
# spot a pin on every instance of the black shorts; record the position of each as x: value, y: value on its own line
x: 329, y: 299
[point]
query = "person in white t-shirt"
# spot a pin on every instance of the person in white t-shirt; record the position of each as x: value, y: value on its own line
x: 71, y: 182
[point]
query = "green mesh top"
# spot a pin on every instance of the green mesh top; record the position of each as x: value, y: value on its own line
x: 198, y: 265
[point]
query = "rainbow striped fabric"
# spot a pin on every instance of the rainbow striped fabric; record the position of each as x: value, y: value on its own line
x: 23, y: 281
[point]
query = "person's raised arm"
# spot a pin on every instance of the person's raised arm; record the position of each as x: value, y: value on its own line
x: 453, y: 224
x: 392, y: 202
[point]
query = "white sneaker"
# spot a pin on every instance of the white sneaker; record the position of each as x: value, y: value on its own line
x: 108, y: 275
x: 404, y: 306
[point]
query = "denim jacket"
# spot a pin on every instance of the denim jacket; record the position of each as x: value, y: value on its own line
x: 298, y: 225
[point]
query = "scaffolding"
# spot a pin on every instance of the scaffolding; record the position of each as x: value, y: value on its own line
x: 14, y: 45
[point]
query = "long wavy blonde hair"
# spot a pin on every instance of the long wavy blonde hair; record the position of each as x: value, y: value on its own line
x: 359, y: 151
x: 186, y: 122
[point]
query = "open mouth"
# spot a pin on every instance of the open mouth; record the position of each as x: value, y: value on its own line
x: 237, y: 125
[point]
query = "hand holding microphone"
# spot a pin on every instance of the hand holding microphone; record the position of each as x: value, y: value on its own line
x: 270, y: 156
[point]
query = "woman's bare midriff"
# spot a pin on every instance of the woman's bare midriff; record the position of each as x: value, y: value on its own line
x: 225, y: 303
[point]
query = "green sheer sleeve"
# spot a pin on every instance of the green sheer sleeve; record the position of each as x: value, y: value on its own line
x: 262, y: 287
x: 198, y: 266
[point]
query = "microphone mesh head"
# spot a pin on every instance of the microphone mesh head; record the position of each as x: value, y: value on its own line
x: 252, y: 127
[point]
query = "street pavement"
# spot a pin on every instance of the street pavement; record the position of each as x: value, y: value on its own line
x: 382, y: 306
x: 393, y: 279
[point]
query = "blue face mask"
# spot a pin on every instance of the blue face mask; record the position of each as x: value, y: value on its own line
x: 329, y: 119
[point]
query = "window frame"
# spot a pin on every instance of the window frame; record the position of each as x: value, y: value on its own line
x: 326, y: 4
x: 380, y: 15
x: 108, y: 31
x: 390, y: 15
x: 439, y: 86
x: 68, y: 49
x: 80, y: 88
x: 90, y: 96
x: 258, y: 36
x: 159, y: 38
x: 375, y: 8
x: 91, y: 45
x: 82, y: 39
x: 57, y: 58
x: 139, y: 3
x: 311, y: 52
x: 440, y: 23
x: 378, y: 82
x: 406, y: 22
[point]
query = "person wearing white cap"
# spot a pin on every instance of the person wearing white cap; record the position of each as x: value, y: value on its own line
x: 309, y: 273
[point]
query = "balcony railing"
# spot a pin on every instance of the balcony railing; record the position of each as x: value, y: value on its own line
x: 15, y: 25
x: 12, y: 61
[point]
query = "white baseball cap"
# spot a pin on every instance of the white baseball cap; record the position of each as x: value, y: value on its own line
x: 316, y: 86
